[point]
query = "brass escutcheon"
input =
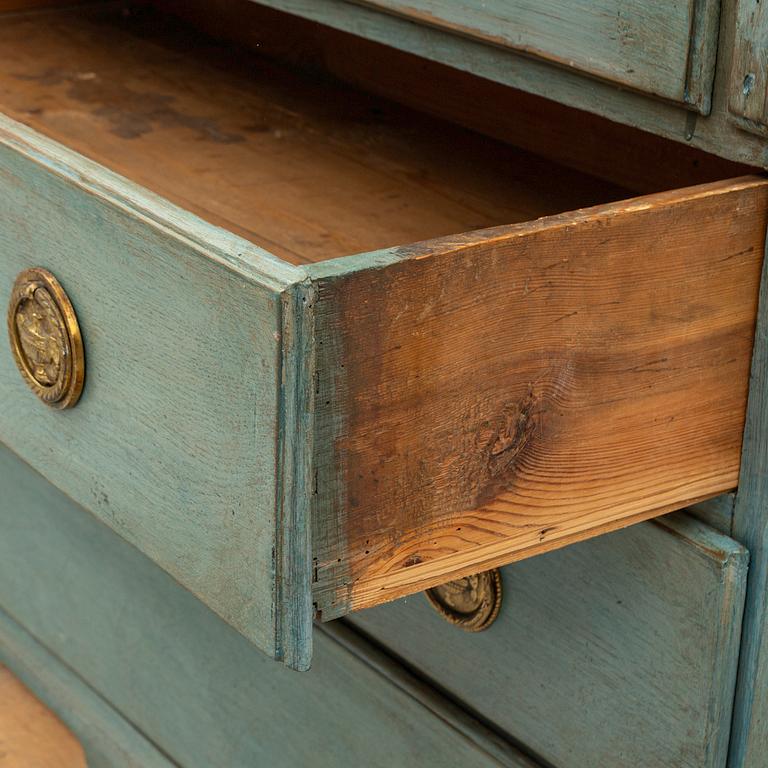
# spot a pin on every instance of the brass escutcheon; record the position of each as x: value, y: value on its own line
x: 45, y: 338
x: 472, y: 603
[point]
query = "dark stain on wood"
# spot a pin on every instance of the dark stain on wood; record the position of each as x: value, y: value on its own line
x: 501, y: 446
x: 130, y: 113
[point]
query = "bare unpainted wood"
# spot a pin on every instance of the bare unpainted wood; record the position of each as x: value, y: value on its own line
x: 306, y: 167
x: 508, y: 392
x: 31, y: 736
x: 592, y: 144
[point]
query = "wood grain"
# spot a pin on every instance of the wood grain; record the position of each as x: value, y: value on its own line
x: 200, y: 691
x: 176, y: 441
x: 664, y: 49
x: 31, y: 736
x: 634, y: 159
x: 301, y: 165
x: 511, y: 391
x: 620, y: 651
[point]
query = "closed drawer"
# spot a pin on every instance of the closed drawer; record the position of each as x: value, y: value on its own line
x: 121, y: 628
x: 665, y: 49
x: 310, y: 432
x: 619, y: 651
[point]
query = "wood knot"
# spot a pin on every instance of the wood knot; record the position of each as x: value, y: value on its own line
x: 502, y: 444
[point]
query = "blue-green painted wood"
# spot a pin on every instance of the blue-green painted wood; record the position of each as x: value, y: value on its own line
x: 716, y: 512
x: 666, y: 49
x: 107, y: 739
x: 749, y: 742
x: 748, y: 82
x: 620, y: 651
x: 177, y: 439
x: 716, y: 133
x: 188, y: 681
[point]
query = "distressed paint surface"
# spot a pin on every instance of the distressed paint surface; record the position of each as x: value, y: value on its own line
x: 175, y: 442
x: 511, y: 391
x: 620, y: 651
x: 647, y: 46
x: 748, y: 83
x: 716, y: 133
x: 195, y: 687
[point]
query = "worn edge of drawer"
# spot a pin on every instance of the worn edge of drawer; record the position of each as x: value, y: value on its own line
x: 141, y: 642
x: 109, y: 740
x: 292, y: 571
x: 355, y: 301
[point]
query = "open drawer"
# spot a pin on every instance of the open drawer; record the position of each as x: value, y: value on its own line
x: 355, y: 417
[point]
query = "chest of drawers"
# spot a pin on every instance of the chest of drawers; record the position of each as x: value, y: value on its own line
x: 343, y: 341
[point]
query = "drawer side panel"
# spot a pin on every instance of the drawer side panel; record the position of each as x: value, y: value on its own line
x: 508, y: 392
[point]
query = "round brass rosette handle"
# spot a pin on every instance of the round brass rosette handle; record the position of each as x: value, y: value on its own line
x: 45, y: 338
x: 472, y: 603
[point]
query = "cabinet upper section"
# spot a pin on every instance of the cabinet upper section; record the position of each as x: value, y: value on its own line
x: 691, y: 71
x: 664, y: 49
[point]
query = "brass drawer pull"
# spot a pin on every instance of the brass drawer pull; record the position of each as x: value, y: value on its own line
x: 45, y: 338
x: 472, y: 603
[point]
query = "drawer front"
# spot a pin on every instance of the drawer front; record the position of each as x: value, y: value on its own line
x: 175, y: 441
x: 620, y: 651
x: 665, y: 49
x: 191, y: 684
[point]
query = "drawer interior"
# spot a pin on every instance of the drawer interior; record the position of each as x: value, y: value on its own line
x: 286, y: 156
